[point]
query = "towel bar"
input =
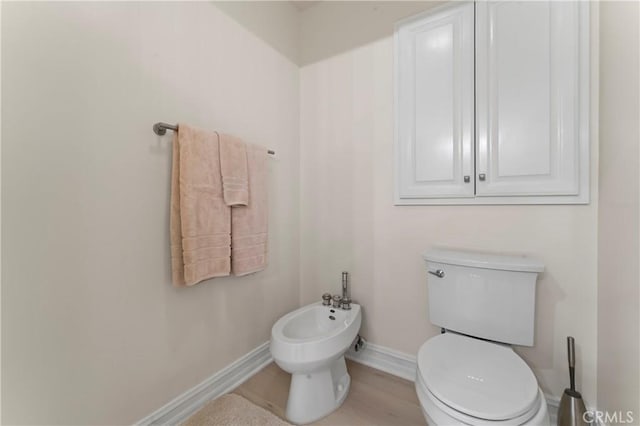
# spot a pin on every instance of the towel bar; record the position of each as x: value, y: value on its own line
x: 161, y: 128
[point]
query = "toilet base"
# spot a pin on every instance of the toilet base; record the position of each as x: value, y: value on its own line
x: 316, y: 394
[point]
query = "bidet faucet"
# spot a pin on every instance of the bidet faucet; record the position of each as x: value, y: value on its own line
x: 345, y: 285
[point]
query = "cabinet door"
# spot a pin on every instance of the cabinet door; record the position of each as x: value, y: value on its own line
x: 434, y: 105
x: 531, y: 98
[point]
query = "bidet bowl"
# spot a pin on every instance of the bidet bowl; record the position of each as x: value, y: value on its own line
x: 309, y: 337
x: 310, y: 343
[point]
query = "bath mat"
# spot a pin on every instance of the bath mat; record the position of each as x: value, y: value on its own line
x: 233, y: 410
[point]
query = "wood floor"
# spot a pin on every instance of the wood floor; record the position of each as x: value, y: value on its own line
x: 375, y: 398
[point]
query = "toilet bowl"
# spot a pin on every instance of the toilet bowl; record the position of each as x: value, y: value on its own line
x: 310, y: 343
x: 464, y: 380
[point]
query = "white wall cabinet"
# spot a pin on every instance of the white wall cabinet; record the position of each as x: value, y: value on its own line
x: 492, y: 104
x: 434, y: 82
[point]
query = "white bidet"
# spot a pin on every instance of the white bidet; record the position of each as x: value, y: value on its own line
x: 310, y: 343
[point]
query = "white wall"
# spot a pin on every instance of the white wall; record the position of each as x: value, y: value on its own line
x: 92, y: 331
x: 619, y: 210
x: 349, y: 222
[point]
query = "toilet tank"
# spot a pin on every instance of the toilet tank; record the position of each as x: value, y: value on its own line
x: 483, y: 295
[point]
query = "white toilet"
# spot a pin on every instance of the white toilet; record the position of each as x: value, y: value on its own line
x: 469, y: 374
x: 310, y: 343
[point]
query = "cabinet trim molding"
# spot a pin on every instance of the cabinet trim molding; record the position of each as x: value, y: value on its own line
x: 559, y: 172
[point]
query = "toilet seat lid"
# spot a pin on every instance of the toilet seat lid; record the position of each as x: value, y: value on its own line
x: 478, y: 378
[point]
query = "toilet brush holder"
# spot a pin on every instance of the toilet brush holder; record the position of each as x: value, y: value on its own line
x: 572, y: 409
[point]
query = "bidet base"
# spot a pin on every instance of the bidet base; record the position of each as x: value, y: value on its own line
x: 319, y: 393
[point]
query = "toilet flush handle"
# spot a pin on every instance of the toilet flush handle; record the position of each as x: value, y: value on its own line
x: 438, y: 273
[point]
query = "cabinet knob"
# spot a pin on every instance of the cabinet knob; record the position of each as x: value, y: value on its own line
x: 482, y: 176
x: 467, y: 179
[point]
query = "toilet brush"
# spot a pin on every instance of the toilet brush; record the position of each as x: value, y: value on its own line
x: 571, y: 410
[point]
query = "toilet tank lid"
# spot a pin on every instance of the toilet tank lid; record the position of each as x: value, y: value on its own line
x: 484, y: 260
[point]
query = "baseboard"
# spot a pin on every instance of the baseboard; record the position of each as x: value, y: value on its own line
x: 230, y: 377
x: 404, y: 366
x: 552, y: 405
x: 385, y: 359
x: 372, y: 355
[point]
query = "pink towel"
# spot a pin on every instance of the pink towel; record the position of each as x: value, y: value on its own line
x: 233, y: 165
x: 200, y: 220
x: 249, y: 223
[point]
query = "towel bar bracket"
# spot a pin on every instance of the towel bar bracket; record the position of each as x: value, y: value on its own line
x: 161, y: 128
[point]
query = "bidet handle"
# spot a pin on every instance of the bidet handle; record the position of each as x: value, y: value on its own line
x: 326, y: 299
x: 337, y: 301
